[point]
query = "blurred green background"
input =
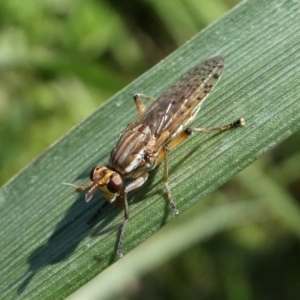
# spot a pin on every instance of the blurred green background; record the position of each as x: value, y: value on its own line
x: 60, y: 59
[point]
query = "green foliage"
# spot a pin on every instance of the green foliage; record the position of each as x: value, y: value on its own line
x: 61, y: 59
x: 46, y: 249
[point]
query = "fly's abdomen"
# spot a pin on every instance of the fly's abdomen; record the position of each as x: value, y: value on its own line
x: 130, y: 150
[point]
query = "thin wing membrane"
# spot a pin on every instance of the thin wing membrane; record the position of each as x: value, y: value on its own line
x: 178, y: 105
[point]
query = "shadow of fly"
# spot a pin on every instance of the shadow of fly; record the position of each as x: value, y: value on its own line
x: 146, y: 141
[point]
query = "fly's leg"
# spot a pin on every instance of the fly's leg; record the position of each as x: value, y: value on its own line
x: 163, y: 155
x: 185, y: 134
x: 139, y: 104
x: 130, y: 187
x: 173, y: 208
x: 236, y: 123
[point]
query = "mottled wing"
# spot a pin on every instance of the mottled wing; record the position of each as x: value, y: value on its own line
x: 179, y: 104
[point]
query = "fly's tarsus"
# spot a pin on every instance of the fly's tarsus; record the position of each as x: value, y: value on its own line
x: 236, y: 123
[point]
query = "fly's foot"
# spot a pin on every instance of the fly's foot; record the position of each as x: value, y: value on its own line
x: 173, y: 208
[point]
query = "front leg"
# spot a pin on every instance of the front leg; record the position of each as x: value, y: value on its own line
x: 130, y: 187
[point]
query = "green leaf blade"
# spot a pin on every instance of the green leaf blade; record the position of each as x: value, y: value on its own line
x: 46, y: 249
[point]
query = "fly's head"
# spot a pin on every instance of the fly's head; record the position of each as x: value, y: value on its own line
x: 109, y: 182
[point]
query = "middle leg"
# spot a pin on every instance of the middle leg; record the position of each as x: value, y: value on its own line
x: 139, y: 104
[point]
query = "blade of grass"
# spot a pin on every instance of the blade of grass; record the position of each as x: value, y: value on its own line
x: 193, y: 226
x: 46, y: 251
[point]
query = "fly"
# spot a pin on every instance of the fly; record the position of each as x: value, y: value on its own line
x: 159, y: 128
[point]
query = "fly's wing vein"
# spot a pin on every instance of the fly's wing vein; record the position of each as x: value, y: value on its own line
x: 178, y: 105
